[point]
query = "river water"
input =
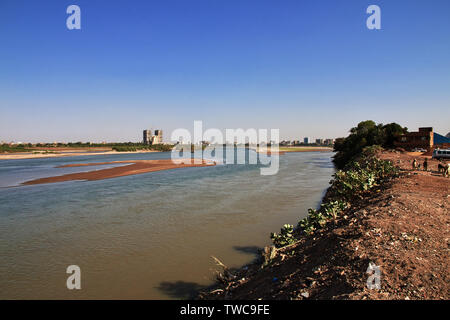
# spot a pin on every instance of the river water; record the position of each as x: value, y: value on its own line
x: 147, y: 236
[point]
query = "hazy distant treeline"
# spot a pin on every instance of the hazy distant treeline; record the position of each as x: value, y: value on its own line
x: 118, y: 146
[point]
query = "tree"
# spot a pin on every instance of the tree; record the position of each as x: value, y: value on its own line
x: 392, y: 132
x: 366, y: 133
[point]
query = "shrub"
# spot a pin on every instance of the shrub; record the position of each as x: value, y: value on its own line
x: 317, y: 219
x: 285, y: 237
x: 361, y: 175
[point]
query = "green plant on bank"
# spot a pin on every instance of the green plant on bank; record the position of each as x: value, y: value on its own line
x: 360, y: 176
x: 317, y: 219
x: 333, y: 208
x: 285, y: 238
x: 357, y: 178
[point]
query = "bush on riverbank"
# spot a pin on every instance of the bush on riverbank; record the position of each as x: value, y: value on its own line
x: 285, y: 238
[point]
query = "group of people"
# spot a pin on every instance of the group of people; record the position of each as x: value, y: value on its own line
x: 442, y: 167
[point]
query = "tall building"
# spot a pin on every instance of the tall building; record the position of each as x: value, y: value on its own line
x: 147, y: 136
x: 306, y: 140
x: 157, y: 138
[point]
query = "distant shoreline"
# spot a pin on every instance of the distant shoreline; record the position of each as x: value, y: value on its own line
x: 283, y: 150
x: 67, y: 152
x: 306, y: 149
x: 18, y: 156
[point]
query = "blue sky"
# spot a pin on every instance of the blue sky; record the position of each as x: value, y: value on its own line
x: 310, y: 68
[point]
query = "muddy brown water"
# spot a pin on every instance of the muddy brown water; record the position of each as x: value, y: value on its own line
x: 147, y: 236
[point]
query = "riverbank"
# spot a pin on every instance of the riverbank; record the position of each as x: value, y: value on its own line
x: 71, y: 153
x: 306, y: 149
x: 282, y: 150
x: 401, y: 226
x: 130, y: 168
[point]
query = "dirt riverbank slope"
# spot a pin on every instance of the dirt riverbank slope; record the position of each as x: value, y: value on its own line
x: 402, y: 227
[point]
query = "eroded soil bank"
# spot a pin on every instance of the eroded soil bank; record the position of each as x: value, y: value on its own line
x: 402, y: 227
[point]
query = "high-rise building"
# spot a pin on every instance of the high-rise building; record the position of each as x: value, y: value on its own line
x: 157, y: 138
x: 147, y: 136
x: 306, y: 140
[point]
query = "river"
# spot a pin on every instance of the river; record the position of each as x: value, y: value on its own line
x: 147, y: 236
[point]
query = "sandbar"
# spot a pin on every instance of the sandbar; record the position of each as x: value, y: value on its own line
x: 133, y: 167
x: 57, y: 154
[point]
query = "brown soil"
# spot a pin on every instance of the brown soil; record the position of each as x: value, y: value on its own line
x: 134, y: 167
x: 401, y: 227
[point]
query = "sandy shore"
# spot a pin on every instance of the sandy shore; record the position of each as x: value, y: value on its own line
x: 306, y: 149
x: 79, y: 152
x: 133, y: 167
x: 18, y: 156
x: 283, y: 150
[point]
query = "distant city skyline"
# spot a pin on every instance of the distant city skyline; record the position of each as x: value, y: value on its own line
x: 309, y: 68
x: 300, y: 139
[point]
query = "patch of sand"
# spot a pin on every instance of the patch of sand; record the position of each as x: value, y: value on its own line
x: 18, y: 156
x: 134, y: 167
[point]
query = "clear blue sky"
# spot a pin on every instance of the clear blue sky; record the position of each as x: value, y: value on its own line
x: 310, y: 68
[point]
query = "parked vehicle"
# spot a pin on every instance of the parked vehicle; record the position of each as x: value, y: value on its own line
x: 419, y: 150
x: 441, y: 154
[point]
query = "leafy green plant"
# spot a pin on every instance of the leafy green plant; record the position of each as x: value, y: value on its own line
x: 357, y: 178
x: 317, y: 219
x: 333, y: 208
x: 361, y: 175
x: 286, y: 236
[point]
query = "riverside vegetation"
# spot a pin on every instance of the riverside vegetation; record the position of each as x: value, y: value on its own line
x: 366, y: 133
x: 398, y: 224
x: 361, y: 174
x: 359, y: 171
x: 353, y: 182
